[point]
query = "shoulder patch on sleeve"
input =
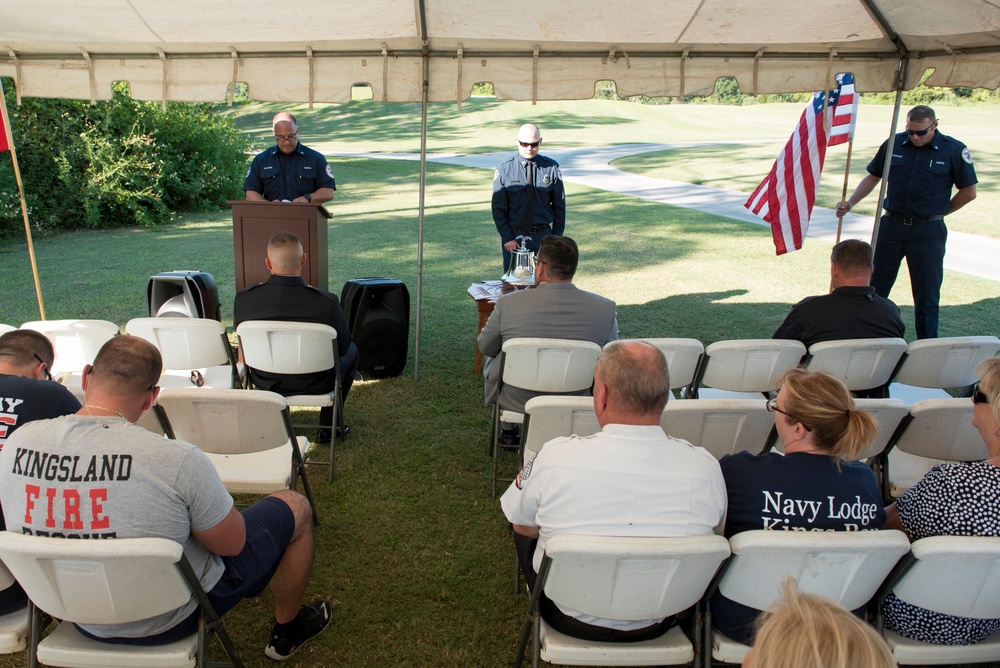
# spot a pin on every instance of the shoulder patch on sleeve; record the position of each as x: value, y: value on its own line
x: 496, y: 174
x: 523, y: 474
x: 248, y: 172
x: 329, y: 172
x: 966, y: 156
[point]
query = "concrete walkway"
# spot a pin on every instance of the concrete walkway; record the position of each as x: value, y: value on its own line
x: 967, y: 253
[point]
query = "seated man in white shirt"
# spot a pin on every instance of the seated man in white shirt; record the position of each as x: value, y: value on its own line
x: 630, y: 479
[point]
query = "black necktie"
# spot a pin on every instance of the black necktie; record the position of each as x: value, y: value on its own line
x: 528, y: 220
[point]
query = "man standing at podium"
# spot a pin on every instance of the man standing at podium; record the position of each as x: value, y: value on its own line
x: 289, y: 171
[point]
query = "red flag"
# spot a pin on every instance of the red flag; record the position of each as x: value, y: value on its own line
x: 845, y: 110
x: 786, y: 196
x: 4, y: 133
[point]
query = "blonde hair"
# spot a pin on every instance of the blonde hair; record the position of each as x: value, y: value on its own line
x: 822, y: 402
x: 808, y: 631
x: 988, y: 373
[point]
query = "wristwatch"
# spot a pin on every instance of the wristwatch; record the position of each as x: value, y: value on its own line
x: 309, y: 198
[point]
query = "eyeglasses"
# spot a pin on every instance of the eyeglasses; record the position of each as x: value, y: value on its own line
x: 48, y: 376
x: 287, y: 137
x: 921, y: 133
x: 977, y: 395
x: 772, y: 407
x: 527, y: 144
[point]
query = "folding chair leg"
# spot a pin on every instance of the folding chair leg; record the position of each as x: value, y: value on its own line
x: 34, y: 634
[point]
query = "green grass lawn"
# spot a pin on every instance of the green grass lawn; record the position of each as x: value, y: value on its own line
x: 413, y: 552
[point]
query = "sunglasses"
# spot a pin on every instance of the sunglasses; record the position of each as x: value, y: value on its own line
x: 977, y: 395
x: 921, y: 133
x: 526, y: 144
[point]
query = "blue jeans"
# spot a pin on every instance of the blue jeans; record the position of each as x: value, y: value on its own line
x: 923, y: 247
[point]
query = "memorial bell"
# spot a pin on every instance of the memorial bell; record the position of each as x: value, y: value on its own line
x: 522, y: 266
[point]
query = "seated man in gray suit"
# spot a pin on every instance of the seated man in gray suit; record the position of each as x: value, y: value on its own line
x: 554, y: 309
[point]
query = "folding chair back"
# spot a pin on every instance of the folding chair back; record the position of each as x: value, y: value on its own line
x: 846, y: 566
x: 549, y: 365
x: 721, y: 426
x: 107, y: 582
x: 624, y: 578
x: 14, y: 625
x: 545, y: 366
x: 861, y: 363
x: 548, y: 417
x: 188, y: 345
x: 248, y: 437
x: 682, y: 356
x: 935, y: 431
x: 933, y: 365
x: 744, y: 366
x: 888, y: 413
x: 275, y: 346
x: 76, y: 342
x: 6, y: 328
x: 951, y: 575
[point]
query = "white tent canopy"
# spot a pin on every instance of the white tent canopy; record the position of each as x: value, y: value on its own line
x: 294, y: 50
x: 436, y: 50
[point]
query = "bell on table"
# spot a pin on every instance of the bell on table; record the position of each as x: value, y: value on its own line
x: 522, y: 269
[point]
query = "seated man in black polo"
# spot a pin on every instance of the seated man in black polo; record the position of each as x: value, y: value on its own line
x: 287, y: 297
x: 852, y: 310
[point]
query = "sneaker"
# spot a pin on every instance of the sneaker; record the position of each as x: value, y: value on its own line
x: 313, y: 619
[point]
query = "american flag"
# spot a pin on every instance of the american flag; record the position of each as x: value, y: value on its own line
x: 786, y: 196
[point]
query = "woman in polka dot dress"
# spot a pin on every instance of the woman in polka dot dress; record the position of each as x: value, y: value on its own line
x: 953, y: 500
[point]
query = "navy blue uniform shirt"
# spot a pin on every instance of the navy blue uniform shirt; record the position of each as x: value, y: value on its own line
x: 510, y: 194
x: 279, y: 177
x: 920, y: 177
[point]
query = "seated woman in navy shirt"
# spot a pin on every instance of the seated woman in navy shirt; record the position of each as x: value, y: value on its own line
x: 815, y: 486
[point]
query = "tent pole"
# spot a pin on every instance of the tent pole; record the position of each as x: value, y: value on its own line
x: 901, y: 74
x: 20, y: 191
x: 426, y: 71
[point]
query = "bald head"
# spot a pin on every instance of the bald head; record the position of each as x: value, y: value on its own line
x: 631, y: 384
x: 284, y: 255
x: 529, y: 138
x: 126, y: 366
x: 286, y: 132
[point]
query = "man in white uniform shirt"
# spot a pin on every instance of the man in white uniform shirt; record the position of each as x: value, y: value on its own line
x: 630, y: 479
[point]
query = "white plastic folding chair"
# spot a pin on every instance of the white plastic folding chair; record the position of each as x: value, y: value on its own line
x: 547, y: 417
x: 744, y: 368
x: 863, y: 364
x: 279, y: 347
x: 721, y: 426
x: 544, y: 366
x: 623, y: 578
x: 846, y: 566
x: 6, y: 328
x: 933, y: 365
x: 13, y: 625
x: 936, y: 431
x: 951, y: 575
x: 248, y: 437
x: 76, y: 343
x: 888, y: 413
x: 195, y: 351
x: 109, y: 582
x: 683, y: 356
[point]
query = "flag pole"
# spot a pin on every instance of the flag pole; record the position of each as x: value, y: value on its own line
x: 20, y: 191
x: 843, y: 193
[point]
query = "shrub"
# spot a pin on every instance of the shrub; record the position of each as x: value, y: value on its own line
x: 120, y: 162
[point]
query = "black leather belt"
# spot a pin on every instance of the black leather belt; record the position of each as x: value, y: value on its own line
x: 536, y: 228
x: 913, y: 220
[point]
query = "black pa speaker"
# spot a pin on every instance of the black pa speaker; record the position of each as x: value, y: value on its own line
x: 378, y: 313
x: 183, y: 294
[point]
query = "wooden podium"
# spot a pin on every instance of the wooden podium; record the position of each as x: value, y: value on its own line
x: 254, y: 223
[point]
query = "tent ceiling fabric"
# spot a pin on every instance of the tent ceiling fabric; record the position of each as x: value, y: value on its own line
x: 294, y: 50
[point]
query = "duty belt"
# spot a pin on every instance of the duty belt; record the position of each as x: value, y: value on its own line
x: 913, y: 220
x: 535, y: 228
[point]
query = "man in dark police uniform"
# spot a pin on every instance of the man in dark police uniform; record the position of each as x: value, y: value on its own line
x: 528, y: 195
x: 924, y: 166
x: 289, y: 171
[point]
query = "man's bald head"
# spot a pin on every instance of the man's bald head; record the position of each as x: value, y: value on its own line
x: 635, y: 380
x: 284, y: 255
